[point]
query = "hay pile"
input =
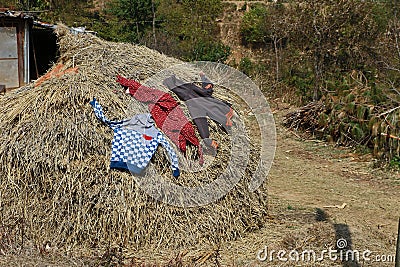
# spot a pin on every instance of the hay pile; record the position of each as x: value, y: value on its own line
x: 56, y: 187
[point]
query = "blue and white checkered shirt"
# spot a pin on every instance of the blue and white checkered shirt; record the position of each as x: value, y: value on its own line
x: 131, y: 149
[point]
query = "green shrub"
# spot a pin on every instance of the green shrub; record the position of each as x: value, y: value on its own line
x: 246, y: 66
x: 210, y: 51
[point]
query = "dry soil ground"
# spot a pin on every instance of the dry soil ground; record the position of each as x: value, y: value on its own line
x: 322, y: 198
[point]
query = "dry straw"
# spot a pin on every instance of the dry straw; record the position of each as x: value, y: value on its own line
x: 56, y: 186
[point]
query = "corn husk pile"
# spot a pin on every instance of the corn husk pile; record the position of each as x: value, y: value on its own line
x: 353, y: 119
x: 56, y: 186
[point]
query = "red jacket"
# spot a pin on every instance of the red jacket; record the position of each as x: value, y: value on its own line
x: 167, y: 114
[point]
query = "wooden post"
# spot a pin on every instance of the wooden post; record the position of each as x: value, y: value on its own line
x: 154, y: 24
x: 398, y: 247
x: 2, y: 89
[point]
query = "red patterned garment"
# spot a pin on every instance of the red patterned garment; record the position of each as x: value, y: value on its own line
x: 167, y: 114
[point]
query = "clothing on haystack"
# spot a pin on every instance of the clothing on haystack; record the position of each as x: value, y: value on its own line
x: 167, y: 114
x: 135, y: 142
x: 202, y: 105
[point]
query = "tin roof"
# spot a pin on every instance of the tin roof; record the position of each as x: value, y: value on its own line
x: 30, y: 15
x: 16, y: 14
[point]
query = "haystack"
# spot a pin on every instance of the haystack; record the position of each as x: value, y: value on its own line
x: 54, y: 154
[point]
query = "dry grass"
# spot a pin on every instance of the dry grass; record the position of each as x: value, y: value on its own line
x: 57, y: 191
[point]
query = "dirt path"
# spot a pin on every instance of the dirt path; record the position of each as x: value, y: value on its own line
x: 318, y: 195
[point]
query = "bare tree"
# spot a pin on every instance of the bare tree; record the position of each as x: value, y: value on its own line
x: 335, y: 35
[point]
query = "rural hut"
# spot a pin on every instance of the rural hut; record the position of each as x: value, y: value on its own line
x: 28, y: 47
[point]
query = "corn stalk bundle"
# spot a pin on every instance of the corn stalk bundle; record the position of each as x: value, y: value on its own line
x: 352, y: 119
x: 54, y: 153
x: 305, y: 118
